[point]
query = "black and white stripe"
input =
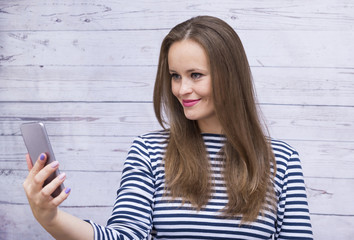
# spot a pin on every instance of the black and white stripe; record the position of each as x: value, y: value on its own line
x: 142, y: 211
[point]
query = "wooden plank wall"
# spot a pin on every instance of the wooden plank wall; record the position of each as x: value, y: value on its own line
x: 87, y: 68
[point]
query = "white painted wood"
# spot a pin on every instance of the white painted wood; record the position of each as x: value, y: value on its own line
x: 325, y: 159
x: 325, y: 195
x: 122, y: 83
x: 264, y: 48
x: 306, y: 86
x: 322, y: 15
x: 329, y: 195
x: 116, y: 119
x: 332, y: 227
x: 103, y: 153
x: 76, y: 153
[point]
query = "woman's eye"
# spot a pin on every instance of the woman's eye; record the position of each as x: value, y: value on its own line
x: 175, y: 76
x: 196, y: 75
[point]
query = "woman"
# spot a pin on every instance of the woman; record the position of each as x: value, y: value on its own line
x: 212, y: 173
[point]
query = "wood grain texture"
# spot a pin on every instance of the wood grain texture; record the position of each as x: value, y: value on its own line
x: 274, y: 85
x: 320, y: 15
x: 116, y: 119
x: 326, y: 195
x: 87, y: 69
x: 104, y: 153
x: 332, y: 227
x: 264, y: 48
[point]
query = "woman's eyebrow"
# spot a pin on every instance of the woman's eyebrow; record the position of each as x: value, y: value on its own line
x: 189, y: 70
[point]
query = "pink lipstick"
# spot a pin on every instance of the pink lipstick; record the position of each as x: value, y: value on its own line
x: 190, y: 103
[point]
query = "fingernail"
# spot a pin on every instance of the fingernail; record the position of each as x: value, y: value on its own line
x: 61, y: 176
x: 42, y: 157
x: 67, y: 190
x: 54, y: 164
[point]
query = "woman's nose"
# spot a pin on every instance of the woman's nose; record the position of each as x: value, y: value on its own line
x: 186, y: 87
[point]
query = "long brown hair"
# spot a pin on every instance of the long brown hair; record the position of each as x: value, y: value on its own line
x: 247, y: 152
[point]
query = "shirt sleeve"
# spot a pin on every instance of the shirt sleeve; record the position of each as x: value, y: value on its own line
x: 132, y: 212
x: 293, y: 217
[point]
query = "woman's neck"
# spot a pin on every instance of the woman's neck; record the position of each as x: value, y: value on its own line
x: 210, y: 126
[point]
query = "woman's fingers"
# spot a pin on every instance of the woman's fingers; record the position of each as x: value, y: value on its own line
x: 47, y: 190
x: 40, y: 163
x: 43, y: 205
x: 61, y: 197
x: 29, y: 162
x: 39, y: 173
x: 53, y: 185
x: 45, y: 172
x: 28, y: 183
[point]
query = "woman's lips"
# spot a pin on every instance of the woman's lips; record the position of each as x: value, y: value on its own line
x: 190, y: 103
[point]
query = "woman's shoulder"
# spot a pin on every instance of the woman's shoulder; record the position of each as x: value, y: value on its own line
x: 152, y: 139
x: 286, y: 156
x: 156, y: 135
x: 282, y: 148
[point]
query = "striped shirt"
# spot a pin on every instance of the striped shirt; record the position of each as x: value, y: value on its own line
x: 142, y: 211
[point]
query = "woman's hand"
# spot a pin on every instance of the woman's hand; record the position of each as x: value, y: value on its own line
x: 43, y: 205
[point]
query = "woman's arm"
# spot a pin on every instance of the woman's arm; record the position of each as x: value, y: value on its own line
x: 132, y: 212
x: 293, y: 213
x: 59, y: 224
x: 67, y: 227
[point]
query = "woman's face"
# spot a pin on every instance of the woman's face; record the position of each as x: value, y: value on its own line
x: 191, y: 83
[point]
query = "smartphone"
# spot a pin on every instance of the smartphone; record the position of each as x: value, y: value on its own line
x: 36, y: 140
